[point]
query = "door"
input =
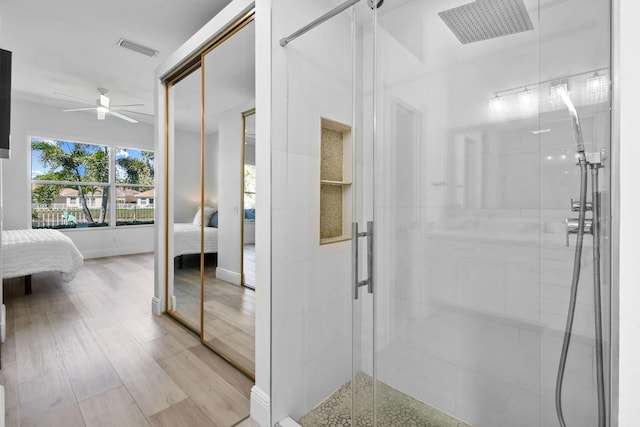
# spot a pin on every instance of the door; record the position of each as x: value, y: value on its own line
x: 468, y: 166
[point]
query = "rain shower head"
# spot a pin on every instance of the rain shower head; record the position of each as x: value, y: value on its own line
x: 487, y: 19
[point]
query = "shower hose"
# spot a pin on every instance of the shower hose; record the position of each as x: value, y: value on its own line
x: 595, y: 230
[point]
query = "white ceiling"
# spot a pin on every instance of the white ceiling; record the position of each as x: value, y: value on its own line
x: 69, y: 46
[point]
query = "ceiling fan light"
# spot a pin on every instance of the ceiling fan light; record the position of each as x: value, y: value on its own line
x: 128, y: 44
x: 104, y: 101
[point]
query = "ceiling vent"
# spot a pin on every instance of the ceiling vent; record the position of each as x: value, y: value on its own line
x: 127, y: 44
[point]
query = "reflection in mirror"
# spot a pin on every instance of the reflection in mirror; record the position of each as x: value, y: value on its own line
x: 249, y: 196
x: 184, y: 302
x: 228, y: 307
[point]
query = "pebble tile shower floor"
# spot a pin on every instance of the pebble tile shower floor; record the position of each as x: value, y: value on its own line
x: 395, y: 409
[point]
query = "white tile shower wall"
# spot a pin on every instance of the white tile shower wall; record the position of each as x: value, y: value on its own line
x: 311, y: 308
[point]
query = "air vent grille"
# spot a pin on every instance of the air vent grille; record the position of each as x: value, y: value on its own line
x: 128, y: 44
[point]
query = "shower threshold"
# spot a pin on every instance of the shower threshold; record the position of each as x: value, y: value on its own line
x: 395, y: 409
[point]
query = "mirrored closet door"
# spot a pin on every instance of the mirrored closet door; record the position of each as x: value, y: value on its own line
x: 207, y: 105
x: 228, y: 307
x: 184, y: 289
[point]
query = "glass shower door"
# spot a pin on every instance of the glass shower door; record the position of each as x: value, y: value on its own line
x: 473, y: 172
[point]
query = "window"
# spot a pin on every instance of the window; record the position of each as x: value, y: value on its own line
x: 71, y: 184
x: 135, y: 168
x: 249, y: 186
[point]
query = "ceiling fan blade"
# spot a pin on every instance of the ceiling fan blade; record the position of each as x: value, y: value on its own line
x: 79, y: 109
x: 76, y: 98
x: 138, y: 112
x: 122, y: 116
x: 120, y: 107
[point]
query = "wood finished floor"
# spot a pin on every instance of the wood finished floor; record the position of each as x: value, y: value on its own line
x: 229, y: 311
x: 90, y: 353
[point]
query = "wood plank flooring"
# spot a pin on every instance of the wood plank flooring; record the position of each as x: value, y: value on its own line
x: 229, y: 311
x: 90, y: 353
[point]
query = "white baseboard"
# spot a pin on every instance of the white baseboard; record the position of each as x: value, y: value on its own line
x: 287, y: 422
x: 105, y: 252
x: 228, y: 276
x: 260, y: 406
x: 156, y: 306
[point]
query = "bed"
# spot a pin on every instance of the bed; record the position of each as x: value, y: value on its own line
x: 186, y: 239
x: 27, y: 252
x: 186, y: 235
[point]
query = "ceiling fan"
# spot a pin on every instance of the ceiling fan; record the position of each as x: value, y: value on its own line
x: 103, y: 107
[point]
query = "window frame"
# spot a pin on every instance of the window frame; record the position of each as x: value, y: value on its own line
x: 112, y: 184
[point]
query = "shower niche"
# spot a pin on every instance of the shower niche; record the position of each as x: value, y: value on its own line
x: 335, y: 181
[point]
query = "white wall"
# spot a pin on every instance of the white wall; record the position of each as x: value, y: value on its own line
x: 260, y: 393
x: 187, y: 182
x: 230, y: 181
x: 626, y: 111
x: 311, y: 309
x: 32, y: 119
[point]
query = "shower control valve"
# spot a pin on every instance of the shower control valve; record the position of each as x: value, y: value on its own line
x: 575, y: 206
x: 573, y: 225
x: 595, y: 159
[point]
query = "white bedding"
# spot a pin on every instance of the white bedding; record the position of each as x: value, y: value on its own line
x: 26, y: 252
x: 186, y: 239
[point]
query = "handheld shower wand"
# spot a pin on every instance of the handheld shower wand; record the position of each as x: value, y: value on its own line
x: 594, y: 227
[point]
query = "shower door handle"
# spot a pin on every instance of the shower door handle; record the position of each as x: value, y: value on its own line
x: 355, y: 235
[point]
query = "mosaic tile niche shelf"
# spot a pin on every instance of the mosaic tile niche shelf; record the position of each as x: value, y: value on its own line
x: 335, y: 181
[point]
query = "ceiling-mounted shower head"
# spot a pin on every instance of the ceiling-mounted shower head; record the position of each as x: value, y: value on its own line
x: 487, y: 19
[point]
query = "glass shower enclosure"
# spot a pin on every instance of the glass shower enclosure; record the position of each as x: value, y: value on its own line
x: 425, y: 206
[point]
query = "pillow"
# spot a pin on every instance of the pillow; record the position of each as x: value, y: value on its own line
x: 208, y: 212
x: 214, y: 220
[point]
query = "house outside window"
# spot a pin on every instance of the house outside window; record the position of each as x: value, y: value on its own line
x: 72, y: 184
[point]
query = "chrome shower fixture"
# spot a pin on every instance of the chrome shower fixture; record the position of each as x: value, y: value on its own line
x: 581, y: 226
x: 487, y: 19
